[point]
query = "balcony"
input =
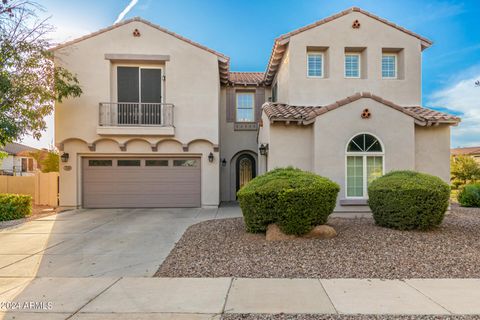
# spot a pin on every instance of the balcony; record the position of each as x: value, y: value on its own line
x: 136, y: 119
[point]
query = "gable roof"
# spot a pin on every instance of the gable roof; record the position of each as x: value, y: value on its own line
x: 281, y: 42
x: 223, y: 60
x: 465, y: 151
x: 246, y: 78
x: 306, y: 114
x: 15, y: 148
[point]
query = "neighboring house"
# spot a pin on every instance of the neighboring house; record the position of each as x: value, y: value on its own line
x: 18, y: 162
x: 473, y: 152
x: 163, y: 123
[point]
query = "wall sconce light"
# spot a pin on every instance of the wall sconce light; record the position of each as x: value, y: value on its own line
x: 210, y: 157
x: 263, y: 149
x: 224, y: 162
x: 64, y: 157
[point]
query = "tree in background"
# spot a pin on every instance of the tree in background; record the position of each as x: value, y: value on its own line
x: 464, y: 169
x: 29, y: 81
x: 51, y: 162
x: 48, y: 161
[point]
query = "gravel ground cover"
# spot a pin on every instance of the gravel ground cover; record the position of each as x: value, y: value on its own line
x: 221, y: 248
x: 340, y: 317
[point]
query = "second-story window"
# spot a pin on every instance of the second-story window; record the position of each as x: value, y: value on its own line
x: 245, y: 107
x: 315, y: 65
x: 389, y: 66
x: 352, y: 65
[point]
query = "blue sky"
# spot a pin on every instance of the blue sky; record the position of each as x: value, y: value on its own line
x: 245, y: 31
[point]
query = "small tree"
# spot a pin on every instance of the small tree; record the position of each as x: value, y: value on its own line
x: 29, y: 81
x: 464, y: 169
x: 51, y: 162
x: 48, y: 161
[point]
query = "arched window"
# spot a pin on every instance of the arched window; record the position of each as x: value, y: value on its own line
x: 365, y: 156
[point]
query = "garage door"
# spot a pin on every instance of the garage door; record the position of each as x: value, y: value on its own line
x: 141, y: 182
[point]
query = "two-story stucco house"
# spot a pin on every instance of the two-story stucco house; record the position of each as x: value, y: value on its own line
x: 164, y: 123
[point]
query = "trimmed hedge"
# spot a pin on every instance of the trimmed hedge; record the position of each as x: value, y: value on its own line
x: 407, y: 200
x: 469, y: 196
x: 294, y: 199
x: 14, y: 206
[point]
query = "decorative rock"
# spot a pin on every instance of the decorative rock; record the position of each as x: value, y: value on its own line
x: 275, y: 234
x: 321, y: 232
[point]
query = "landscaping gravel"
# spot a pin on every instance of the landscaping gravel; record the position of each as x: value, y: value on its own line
x: 222, y: 248
x: 340, y: 317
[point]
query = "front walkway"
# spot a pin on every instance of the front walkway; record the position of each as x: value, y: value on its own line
x: 205, y: 298
x: 97, y: 264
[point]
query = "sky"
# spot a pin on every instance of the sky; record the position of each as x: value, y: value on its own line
x: 245, y: 31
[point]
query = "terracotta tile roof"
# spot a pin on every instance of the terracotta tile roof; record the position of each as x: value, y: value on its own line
x: 246, y: 78
x: 284, y: 112
x: 223, y: 60
x: 433, y: 115
x: 307, y: 114
x: 280, y: 43
x: 465, y: 151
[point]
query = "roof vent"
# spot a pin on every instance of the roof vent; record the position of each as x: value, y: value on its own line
x: 136, y: 33
x: 356, y: 24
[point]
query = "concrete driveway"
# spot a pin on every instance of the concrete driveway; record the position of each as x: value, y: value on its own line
x: 98, y: 243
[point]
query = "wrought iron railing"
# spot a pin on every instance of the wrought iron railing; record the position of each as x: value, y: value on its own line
x: 135, y: 114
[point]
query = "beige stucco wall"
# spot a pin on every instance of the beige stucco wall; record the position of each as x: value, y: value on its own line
x: 232, y: 144
x: 290, y: 145
x: 432, y: 151
x: 298, y: 89
x: 192, y: 84
x: 282, y: 78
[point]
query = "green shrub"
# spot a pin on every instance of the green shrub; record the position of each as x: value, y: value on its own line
x: 408, y: 200
x: 294, y: 199
x: 469, y: 196
x: 14, y: 206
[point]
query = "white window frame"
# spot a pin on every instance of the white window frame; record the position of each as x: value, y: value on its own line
x: 322, y: 55
x: 236, y: 106
x: 359, y: 65
x: 396, y: 65
x: 364, y: 155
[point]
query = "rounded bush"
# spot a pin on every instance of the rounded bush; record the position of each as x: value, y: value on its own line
x: 407, y: 200
x: 294, y: 199
x: 14, y: 206
x: 469, y: 196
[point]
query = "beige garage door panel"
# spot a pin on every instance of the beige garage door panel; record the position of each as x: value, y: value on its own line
x: 140, y: 186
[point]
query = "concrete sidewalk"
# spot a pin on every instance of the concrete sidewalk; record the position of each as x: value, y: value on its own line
x: 206, y: 298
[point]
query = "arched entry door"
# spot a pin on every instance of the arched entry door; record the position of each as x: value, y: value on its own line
x: 245, y: 169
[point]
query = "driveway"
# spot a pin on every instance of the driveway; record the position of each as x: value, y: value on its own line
x: 98, y: 243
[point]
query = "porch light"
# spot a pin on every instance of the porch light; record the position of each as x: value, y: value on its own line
x: 224, y: 162
x: 210, y: 157
x: 263, y: 149
x: 64, y: 157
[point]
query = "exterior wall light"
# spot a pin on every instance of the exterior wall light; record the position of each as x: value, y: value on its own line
x: 263, y: 149
x: 224, y: 162
x: 64, y: 157
x: 210, y: 157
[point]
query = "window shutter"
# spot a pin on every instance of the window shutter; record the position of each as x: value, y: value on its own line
x: 259, y: 101
x: 230, y: 104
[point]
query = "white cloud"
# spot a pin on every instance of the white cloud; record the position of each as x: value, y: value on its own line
x: 126, y: 10
x: 462, y: 96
